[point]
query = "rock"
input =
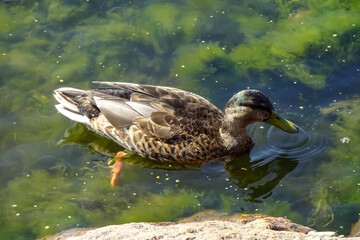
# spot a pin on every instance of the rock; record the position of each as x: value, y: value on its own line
x: 322, y: 234
x: 355, y: 229
x: 313, y: 235
x: 204, y: 226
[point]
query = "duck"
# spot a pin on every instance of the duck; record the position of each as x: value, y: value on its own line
x: 169, y: 124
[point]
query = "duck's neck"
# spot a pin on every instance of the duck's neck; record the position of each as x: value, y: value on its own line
x: 234, y: 135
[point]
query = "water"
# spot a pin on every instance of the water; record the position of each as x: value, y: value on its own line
x: 303, y: 55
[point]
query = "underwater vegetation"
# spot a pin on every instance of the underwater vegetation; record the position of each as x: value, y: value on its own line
x: 185, y: 43
x: 339, y: 183
x: 54, y: 175
x: 55, y: 201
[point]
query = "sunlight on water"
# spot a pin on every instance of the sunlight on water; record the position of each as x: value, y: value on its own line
x: 304, y: 55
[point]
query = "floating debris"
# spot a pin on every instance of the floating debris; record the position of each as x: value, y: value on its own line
x: 345, y: 140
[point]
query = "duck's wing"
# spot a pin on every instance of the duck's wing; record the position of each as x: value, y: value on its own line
x: 165, y: 113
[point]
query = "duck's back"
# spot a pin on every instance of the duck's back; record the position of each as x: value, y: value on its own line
x: 156, y: 122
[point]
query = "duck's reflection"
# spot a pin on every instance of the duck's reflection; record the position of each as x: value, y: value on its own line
x: 79, y: 134
x: 256, y: 173
x: 259, y: 176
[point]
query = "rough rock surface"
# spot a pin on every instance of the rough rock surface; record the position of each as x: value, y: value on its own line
x: 205, y: 227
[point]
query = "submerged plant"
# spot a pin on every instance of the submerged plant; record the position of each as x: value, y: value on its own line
x: 208, y: 47
x: 345, y: 164
x: 339, y: 178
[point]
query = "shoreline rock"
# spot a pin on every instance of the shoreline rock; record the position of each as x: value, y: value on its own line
x: 207, y: 225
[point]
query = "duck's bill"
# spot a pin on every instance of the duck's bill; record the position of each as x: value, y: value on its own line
x: 282, y: 123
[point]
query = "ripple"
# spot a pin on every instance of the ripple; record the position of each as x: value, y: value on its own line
x: 271, y: 142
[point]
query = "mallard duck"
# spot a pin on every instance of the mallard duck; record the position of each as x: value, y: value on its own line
x: 167, y: 123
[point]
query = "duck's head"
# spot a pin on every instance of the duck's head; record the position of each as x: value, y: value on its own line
x: 251, y: 106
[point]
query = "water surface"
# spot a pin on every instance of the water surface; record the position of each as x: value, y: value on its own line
x: 303, y: 54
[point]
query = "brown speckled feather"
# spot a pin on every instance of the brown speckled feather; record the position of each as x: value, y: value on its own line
x: 156, y: 122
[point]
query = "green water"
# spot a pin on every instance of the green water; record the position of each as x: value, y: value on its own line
x: 303, y: 54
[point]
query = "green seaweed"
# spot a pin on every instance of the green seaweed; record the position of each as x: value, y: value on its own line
x: 162, y: 207
x: 279, y: 45
x: 338, y: 179
x: 213, y: 48
x: 60, y: 199
x: 280, y: 209
x: 345, y: 153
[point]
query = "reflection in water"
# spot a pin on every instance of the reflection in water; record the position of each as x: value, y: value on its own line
x: 274, y: 155
x: 272, y: 158
x: 259, y: 177
x: 81, y: 135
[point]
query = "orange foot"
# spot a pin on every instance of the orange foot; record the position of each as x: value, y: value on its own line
x: 116, y: 168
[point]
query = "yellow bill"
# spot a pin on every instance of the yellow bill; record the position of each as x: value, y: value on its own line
x: 282, y: 123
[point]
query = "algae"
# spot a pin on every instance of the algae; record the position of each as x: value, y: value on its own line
x: 170, y: 205
x: 213, y: 48
x: 336, y: 180
x: 61, y: 198
x: 345, y: 164
x: 188, y: 43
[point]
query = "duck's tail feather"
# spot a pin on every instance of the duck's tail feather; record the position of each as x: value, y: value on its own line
x: 68, y: 107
